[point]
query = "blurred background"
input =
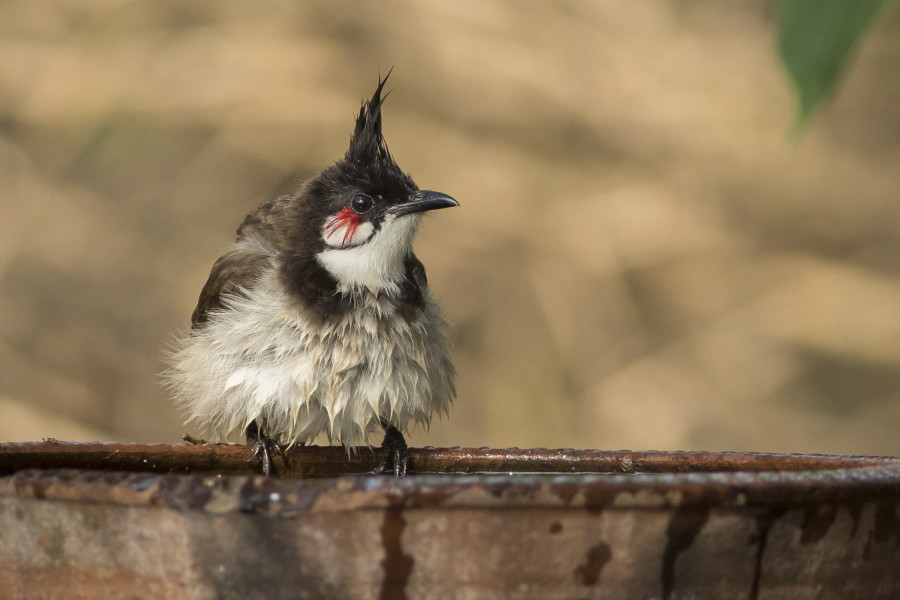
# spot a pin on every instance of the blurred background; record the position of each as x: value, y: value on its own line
x: 644, y: 258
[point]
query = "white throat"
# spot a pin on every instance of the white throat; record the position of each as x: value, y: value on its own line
x: 376, y: 264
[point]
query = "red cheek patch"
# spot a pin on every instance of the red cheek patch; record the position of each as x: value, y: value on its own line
x: 347, y: 218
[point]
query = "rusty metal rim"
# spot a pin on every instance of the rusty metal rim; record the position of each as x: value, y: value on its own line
x: 322, y: 461
x: 716, y: 479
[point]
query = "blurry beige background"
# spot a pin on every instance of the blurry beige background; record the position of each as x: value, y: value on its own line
x: 643, y: 258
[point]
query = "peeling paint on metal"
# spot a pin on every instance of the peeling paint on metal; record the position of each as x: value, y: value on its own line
x: 817, y: 521
x: 683, y: 527
x: 764, y: 521
x: 588, y: 572
x: 887, y: 524
x: 397, y: 564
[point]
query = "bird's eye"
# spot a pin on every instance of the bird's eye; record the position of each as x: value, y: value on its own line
x: 361, y: 203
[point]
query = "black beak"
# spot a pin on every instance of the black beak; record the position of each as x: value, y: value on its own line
x: 423, y: 200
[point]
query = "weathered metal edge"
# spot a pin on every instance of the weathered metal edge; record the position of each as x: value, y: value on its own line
x: 323, y: 461
x: 859, y: 479
x: 260, y: 495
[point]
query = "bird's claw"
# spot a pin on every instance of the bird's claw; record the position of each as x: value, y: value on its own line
x: 395, y: 452
x: 263, y: 447
x: 262, y: 450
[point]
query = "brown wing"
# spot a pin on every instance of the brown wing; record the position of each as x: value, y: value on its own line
x: 242, y: 266
x: 234, y: 270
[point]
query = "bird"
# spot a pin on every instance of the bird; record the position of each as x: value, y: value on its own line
x: 318, y: 319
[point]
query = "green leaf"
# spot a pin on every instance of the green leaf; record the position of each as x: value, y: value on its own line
x: 816, y: 39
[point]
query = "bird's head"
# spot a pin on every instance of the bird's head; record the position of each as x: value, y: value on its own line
x: 367, y: 209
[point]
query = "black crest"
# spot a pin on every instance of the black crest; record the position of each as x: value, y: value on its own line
x: 367, y: 145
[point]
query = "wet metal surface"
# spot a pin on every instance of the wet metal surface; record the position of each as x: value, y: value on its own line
x: 194, y: 522
x: 328, y: 461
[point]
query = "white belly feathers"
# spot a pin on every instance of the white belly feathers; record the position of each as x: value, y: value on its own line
x: 259, y: 358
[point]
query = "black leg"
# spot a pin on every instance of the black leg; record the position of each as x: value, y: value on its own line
x: 263, y: 446
x: 394, y: 451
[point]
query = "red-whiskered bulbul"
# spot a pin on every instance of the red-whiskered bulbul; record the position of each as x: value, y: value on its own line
x: 318, y: 319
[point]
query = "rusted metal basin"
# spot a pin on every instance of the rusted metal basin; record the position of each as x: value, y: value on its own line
x: 138, y: 521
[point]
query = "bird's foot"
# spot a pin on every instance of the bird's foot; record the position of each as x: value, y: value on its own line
x: 263, y: 448
x: 394, y: 452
